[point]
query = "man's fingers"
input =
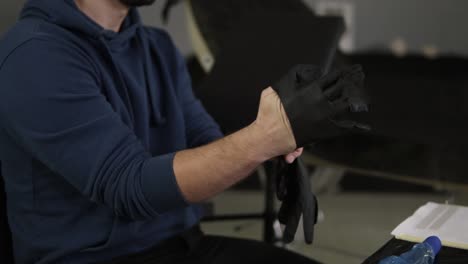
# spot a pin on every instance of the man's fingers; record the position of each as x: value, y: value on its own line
x: 298, y: 152
x: 291, y: 157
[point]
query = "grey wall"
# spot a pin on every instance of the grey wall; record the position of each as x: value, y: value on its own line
x: 441, y: 23
x: 176, y: 25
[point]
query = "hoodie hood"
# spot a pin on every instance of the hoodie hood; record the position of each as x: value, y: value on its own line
x: 66, y: 14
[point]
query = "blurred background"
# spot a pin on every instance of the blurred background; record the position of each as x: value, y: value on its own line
x: 415, y: 55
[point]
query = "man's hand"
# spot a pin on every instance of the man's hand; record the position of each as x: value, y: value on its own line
x: 273, y: 128
x: 273, y: 121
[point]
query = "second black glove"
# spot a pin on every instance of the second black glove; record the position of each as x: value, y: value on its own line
x: 293, y: 188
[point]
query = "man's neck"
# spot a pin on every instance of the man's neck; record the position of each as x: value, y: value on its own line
x: 109, y: 14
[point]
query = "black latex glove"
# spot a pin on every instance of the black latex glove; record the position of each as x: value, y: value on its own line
x: 294, y: 190
x: 320, y: 107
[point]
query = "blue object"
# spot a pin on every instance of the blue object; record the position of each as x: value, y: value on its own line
x: 90, y: 121
x: 423, y: 253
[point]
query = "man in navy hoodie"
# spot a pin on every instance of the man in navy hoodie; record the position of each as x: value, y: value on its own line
x: 105, y: 150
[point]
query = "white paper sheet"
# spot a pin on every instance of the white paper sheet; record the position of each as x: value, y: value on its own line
x: 448, y: 222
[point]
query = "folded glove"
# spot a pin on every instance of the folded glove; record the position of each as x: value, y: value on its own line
x: 294, y: 190
x: 320, y: 107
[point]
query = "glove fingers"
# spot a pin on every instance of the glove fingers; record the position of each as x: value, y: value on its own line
x: 292, y: 223
x: 347, y: 93
x: 358, y: 104
x: 354, y: 73
x: 334, y: 91
x: 281, y: 179
x: 296, y: 79
x: 290, y: 211
x: 309, y: 219
x: 347, y: 111
x: 354, y: 70
x: 307, y: 200
x: 289, y: 190
x: 354, y: 77
x: 340, y: 107
x: 345, y: 106
x: 363, y: 127
x: 329, y: 79
x: 285, y: 211
x: 349, y: 124
x: 307, y: 74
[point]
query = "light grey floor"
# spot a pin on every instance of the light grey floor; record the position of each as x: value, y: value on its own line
x: 354, y: 225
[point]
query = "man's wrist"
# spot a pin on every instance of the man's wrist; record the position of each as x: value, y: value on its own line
x: 257, y: 143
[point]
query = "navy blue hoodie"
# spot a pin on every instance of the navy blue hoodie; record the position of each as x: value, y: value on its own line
x: 90, y: 120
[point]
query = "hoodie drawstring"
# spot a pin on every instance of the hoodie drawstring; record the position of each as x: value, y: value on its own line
x: 123, y: 91
x: 157, y: 106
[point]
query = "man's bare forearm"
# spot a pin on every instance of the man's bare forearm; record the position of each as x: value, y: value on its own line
x: 205, y: 171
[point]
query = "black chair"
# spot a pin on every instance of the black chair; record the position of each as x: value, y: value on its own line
x: 418, y: 115
x: 261, y: 48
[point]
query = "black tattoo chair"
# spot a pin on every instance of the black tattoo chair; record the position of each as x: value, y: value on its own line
x: 248, y: 50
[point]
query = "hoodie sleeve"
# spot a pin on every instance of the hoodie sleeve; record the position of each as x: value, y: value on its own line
x: 52, y: 106
x: 201, y: 128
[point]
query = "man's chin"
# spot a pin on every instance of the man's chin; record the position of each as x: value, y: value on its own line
x: 137, y: 3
